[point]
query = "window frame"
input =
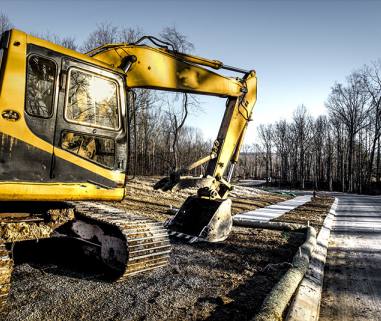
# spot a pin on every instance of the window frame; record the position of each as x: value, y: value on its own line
x: 85, y: 158
x: 97, y: 74
x: 54, y: 85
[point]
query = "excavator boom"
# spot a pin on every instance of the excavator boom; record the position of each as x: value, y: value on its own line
x: 208, y: 214
x: 158, y: 68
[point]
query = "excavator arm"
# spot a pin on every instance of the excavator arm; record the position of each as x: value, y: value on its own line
x: 159, y: 68
x: 164, y: 69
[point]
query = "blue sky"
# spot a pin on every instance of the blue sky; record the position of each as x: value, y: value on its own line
x: 298, y: 48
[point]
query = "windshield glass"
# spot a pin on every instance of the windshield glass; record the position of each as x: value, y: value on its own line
x: 92, y: 100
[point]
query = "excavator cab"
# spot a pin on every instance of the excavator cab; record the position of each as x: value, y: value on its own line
x: 61, y: 118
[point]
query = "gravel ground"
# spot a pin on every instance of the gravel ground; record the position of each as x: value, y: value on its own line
x: 224, y: 281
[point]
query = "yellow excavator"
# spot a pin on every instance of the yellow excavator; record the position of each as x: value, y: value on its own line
x: 64, y: 139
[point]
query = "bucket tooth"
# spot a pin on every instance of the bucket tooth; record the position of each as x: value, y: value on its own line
x: 207, y: 219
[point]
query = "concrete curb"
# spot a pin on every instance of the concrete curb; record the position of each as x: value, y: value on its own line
x: 306, y: 303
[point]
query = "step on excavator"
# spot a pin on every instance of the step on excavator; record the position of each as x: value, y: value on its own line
x: 64, y: 148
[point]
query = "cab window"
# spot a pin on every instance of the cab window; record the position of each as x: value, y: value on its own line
x: 41, y: 75
x: 92, y: 100
x: 100, y: 150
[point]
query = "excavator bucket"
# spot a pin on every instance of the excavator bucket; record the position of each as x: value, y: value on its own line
x: 206, y: 219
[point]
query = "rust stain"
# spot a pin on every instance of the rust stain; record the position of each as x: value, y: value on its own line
x: 8, y: 143
x: 12, y: 141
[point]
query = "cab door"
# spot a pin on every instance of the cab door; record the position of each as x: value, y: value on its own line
x: 27, y: 125
x: 90, y: 140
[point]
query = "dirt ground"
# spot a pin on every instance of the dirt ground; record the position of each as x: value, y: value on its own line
x: 142, y: 198
x: 224, y: 281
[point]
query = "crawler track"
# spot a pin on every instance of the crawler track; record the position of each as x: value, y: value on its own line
x: 142, y: 244
x: 26, y: 221
x: 127, y: 243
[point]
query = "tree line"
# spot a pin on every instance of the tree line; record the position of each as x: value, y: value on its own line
x: 338, y: 151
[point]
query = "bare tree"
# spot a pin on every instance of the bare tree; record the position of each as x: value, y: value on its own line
x: 371, y: 82
x: 266, y: 136
x: 348, y: 105
x: 5, y: 23
x: 318, y: 144
x: 103, y: 34
x: 178, y: 40
x: 67, y: 42
x: 130, y: 35
x: 282, y: 143
x: 329, y: 156
x: 177, y: 118
x: 302, y: 131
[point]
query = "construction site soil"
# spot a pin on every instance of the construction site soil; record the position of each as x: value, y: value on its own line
x: 220, y: 281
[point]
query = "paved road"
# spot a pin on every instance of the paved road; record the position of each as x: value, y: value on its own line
x: 352, y: 280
